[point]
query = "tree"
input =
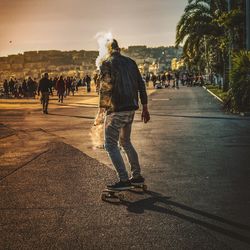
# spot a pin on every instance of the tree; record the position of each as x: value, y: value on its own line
x: 202, y: 35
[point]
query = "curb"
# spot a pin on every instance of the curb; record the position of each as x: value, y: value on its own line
x: 245, y: 114
x: 215, y: 96
x: 219, y: 99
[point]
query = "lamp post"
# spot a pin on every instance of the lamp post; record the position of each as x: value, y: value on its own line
x: 228, y: 62
x: 248, y: 25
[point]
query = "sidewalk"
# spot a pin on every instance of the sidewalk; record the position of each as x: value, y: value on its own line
x: 48, y: 199
x: 82, y: 97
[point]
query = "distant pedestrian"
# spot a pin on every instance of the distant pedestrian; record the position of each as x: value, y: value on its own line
x: 60, y: 87
x: 68, y: 85
x: 168, y: 79
x: 201, y: 81
x: 24, y: 88
x: 73, y: 86
x: 31, y: 87
x: 154, y: 79
x: 6, y: 87
x: 88, y: 81
x: 163, y: 80
x: 177, y: 78
x: 45, y: 88
x: 11, y: 86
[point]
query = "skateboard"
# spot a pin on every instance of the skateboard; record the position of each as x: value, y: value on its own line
x: 109, y: 194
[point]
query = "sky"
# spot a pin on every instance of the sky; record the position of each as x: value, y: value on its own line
x: 27, y: 25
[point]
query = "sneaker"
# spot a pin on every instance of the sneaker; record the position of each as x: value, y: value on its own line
x: 121, y: 185
x: 137, y: 181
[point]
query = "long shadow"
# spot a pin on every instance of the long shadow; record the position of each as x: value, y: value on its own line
x: 205, y: 117
x: 75, y: 116
x: 79, y: 105
x: 82, y: 95
x: 150, y: 204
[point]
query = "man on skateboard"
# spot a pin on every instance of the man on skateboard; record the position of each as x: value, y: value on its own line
x: 121, y: 82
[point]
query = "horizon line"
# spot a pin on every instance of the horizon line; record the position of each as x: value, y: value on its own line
x: 139, y: 45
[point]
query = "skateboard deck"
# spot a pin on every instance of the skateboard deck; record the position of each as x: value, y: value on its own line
x: 109, y: 194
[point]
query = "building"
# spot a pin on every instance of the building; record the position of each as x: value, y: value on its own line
x: 177, y: 64
x: 35, y: 63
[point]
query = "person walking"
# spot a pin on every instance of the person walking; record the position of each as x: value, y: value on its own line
x: 45, y: 88
x: 6, y: 87
x: 73, y: 86
x: 60, y: 87
x: 163, y: 80
x: 88, y: 81
x: 120, y: 83
x: 177, y: 78
x: 168, y: 79
x: 68, y: 85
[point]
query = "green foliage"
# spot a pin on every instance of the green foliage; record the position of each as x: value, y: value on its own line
x: 238, y: 99
x: 208, y: 32
x: 217, y: 91
x: 200, y: 32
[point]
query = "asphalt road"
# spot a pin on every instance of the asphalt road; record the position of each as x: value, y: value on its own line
x: 195, y: 159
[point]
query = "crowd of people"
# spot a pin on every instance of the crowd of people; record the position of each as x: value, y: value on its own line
x: 17, y: 88
x: 29, y: 87
x: 69, y: 85
x: 173, y: 79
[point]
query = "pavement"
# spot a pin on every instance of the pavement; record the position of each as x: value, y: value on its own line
x: 194, y: 157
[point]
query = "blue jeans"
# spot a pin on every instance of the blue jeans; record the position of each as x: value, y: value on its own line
x: 118, y: 129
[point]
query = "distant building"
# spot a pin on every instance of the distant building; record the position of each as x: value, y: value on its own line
x: 80, y: 63
x: 177, y: 64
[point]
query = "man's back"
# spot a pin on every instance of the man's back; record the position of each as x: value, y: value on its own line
x: 44, y: 85
x: 126, y: 81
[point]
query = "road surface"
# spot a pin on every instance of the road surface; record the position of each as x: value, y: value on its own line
x: 195, y: 159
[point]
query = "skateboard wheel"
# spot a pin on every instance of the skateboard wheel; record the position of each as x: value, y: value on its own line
x: 103, y: 197
x: 144, y: 188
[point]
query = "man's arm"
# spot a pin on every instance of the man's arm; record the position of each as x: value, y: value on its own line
x: 141, y: 87
x: 145, y: 117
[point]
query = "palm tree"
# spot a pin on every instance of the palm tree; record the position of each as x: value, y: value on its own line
x: 201, y: 34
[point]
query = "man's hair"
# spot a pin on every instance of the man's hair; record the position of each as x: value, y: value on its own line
x: 113, y: 45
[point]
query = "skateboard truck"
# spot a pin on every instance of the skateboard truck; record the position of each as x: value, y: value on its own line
x: 109, y: 194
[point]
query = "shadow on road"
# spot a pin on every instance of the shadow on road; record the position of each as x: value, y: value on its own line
x: 75, y: 116
x: 205, y: 117
x: 156, y: 201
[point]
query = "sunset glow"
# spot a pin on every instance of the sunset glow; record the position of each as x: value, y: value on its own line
x: 71, y: 25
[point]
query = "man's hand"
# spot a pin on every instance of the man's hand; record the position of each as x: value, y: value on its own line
x: 145, y: 117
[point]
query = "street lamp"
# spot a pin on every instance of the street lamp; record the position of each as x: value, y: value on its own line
x: 248, y: 25
x: 226, y: 73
